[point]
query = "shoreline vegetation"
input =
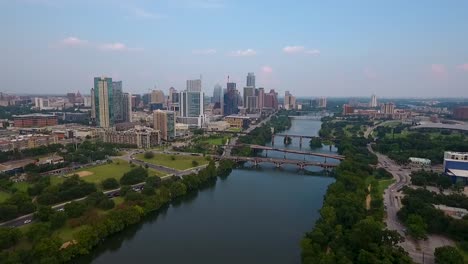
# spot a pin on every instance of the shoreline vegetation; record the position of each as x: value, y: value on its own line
x: 60, y: 236
x: 347, y: 231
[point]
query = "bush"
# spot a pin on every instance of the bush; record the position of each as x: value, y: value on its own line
x: 194, y: 163
x: 75, y: 209
x: 134, y: 176
x: 149, y: 155
x: 110, y: 184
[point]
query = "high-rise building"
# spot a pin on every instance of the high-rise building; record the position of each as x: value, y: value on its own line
x: 127, y: 107
x: 250, y: 100
x: 217, y: 94
x: 157, y: 97
x: 348, y: 109
x: 387, y: 108
x: 231, y: 99
x: 322, y: 102
x: 103, y: 98
x: 373, y: 101
x: 271, y: 100
x: 461, y: 112
x: 250, y: 79
x: 146, y: 99
x: 164, y: 121
x: 289, y: 101
x: 260, y: 98
x: 191, y: 104
x: 117, y: 102
x: 194, y: 85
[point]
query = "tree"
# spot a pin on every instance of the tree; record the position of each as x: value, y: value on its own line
x: 8, y: 237
x: 110, y: 184
x: 43, y: 213
x: 315, y: 143
x: 448, y: 255
x: 75, y: 209
x: 38, y: 231
x: 57, y: 220
x: 417, y: 228
x: 149, y: 155
x: 153, y: 181
x: 134, y: 176
x: 178, y: 189
x: 194, y: 163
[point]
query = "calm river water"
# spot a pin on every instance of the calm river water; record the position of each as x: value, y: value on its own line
x: 255, y: 215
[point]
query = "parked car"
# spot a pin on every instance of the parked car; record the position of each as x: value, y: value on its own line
x: 27, y: 221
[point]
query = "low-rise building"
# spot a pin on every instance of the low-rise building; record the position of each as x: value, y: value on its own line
x: 456, y: 165
x: 34, y: 120
x: 238, y: 121
x: 141, y: 137
x: 218, y: 126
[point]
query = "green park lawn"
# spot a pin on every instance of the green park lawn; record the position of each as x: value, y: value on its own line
x: 115, y: 170
x: 235, y: 129
x: 383, y: 184
x: 180, y: 162
x: 21, y: 186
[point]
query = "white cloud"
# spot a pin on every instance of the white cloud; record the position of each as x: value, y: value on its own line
x: 204, y: 52
x: 293, y: 49
x: 267, y: 69
x: 117, y: 46
x: 243, y: 53
x: 74, y: 41
x: 144, y: 14
x: 314, y: 52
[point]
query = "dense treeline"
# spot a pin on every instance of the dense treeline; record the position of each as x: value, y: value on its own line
x: 421, y: 217
x: 95, y: 227
x: 72, y: 188
x: 423, y: 145
x: 430, y: 178
x: 16, y: 205
x: 337, y: 129
x: 346, y: 232
x: 31, y: 152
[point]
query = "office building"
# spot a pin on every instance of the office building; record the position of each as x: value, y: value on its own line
x: 238, y: 121
x: 127, y: 107
x: 164, y: 121
x: 35, y: 120
x: 191, y: 108
x: 373, y: 101
x: 348, y: 109
x: 322, y: 102
x: 157, y: 97
x: 194, y: 85
x: 117, y: 101
x: 271, y: 100
x: 217, y: 94
x: 41, y: 103
x: 387, y: 108
x: 456, y: 165
x: 461, y: 113
x: 289, y: 101
x: 250, y: 79
x: 260, y: 98
x: 231, y: 100
x: 103, y: 98
x: 250, y: 98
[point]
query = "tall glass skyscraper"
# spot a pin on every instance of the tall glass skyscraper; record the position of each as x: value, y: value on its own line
x: 103, y: 109
x: 250, y: 79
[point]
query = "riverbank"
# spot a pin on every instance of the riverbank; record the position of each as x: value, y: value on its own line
x: 347, y: 232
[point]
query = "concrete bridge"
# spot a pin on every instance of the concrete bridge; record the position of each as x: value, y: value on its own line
x: 277, y: 162
x: 301, y: 137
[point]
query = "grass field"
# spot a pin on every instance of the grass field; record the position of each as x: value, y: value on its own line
x: 116, y: 170
x: 4, y: 196
x: 383, y: 184
x: 234, y: 129
x: 181, y: 162
x: 21, y: 186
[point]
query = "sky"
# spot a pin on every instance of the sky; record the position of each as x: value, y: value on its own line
x: 396, y: 48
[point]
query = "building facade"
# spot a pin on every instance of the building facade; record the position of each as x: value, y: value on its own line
x: 141, y: 137
x: 373, y: 101
x: 164, y: 121
x: 35, y: 120
x: 103, y: 98
x: 250, y: 79
x: 194, y: 85
x: 387, y: 108
x: 456, y: 165
x: 461, y: 113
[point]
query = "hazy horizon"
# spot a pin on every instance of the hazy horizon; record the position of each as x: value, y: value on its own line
x: 396, y: 49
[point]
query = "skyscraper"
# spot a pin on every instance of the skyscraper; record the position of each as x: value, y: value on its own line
x: 250, y: 79
x: 373, y: 101
x: 250, y: 100
x: 260, y: 98
x: 387, y: 108
x: 164, y: 121
x: 194, y: 85
x: 322, y: 102
x: 289, y: 101
x: 231, y: 99
x: 217, y: 93
x: 117, y: 102
x: 103, y: 98
x: 127, y: 107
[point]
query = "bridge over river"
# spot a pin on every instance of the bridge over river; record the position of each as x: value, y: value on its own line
x: 302, y: 164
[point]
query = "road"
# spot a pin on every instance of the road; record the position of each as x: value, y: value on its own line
x: 421, y: 251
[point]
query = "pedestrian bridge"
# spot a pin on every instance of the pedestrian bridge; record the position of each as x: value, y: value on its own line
x: 302, y: 164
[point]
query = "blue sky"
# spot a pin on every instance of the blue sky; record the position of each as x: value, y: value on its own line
x: 312, y: 48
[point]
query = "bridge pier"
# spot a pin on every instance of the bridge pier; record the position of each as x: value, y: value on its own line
x: 300, y: 142
x: 273, y: 140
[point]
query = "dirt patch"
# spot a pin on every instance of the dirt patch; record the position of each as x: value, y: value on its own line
x: 368, y: 198
x: 84, y: 173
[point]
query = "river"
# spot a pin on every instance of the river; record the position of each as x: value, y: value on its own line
x: 255, y: 215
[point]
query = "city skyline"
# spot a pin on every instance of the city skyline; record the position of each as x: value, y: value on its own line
x: 319, y: 49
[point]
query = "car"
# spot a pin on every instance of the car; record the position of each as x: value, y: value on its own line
x: 61, y: 209
x: 27, y: 221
